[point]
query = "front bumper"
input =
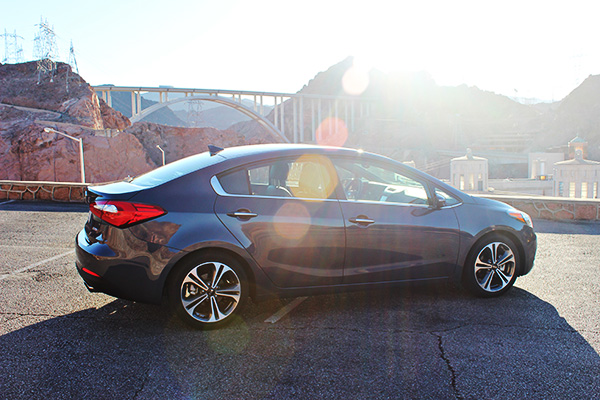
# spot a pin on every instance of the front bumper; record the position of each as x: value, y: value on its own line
x: 530, y: 249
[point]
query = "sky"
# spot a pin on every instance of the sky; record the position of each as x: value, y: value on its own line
x: 527, y: 49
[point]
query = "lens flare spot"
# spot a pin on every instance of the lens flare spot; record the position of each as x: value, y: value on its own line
x: 294, y: 221
x: 356, y: 80
x: 332, y: 132
x: 314, y: 177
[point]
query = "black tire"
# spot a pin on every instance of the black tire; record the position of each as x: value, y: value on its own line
x: 208, y: 289
x: 492, y: 266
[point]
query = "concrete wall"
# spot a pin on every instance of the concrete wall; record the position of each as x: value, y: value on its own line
x: 553, y: 208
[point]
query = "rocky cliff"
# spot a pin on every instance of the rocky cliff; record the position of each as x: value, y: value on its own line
x: 113, y: 149
x: 61, y: 91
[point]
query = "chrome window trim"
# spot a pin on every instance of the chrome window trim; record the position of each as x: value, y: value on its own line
x: 452, y: 206
x: 385, y: 203
x: 216, y: 186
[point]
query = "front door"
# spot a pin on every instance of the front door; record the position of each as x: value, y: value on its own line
x: 392, y: 232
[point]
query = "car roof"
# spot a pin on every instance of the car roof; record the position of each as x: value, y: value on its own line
x: 266, y: 150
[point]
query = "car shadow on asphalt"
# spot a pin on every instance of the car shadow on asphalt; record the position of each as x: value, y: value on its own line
x: 567, y: 227
x: 43, y: 206
x: 517, y: 344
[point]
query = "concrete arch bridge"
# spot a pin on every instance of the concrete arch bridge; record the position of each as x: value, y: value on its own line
x: 257, y: 106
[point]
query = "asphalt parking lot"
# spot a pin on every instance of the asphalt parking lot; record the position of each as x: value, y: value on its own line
x: 540, y: 341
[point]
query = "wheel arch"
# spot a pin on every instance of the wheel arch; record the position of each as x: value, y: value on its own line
x: 501, y: 232
x: 240, y: 259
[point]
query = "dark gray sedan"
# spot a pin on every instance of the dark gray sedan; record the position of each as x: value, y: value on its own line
x: 214, y: 229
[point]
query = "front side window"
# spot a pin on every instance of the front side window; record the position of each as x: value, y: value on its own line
x: 365, y: 181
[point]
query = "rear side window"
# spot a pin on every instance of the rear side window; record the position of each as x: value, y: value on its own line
x: 235, y: 182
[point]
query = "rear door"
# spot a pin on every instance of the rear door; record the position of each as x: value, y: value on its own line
x: 287, y: 218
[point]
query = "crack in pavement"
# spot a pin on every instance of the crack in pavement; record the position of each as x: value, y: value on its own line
x: 444, y: 357
x: 144, y: 382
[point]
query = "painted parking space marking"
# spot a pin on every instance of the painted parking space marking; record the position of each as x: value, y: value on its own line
x: 6, y: 202
x: 37, y: 264
x: 285, y: 310
x: 24, y: 246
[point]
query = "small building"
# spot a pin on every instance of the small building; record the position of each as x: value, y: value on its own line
x: 469, y: 173
x: 577, y: 178
x: 541, y: 165
x: 578, y: 144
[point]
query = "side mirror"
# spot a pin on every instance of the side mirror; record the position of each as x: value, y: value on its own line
x: 440, y: 201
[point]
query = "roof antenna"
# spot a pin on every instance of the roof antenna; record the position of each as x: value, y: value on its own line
x: 214, y: 149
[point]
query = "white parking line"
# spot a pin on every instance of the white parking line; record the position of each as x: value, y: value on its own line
x: 284, y: 310
x: 37, y: 264
x: 6, y: 202
x: 24, y: 246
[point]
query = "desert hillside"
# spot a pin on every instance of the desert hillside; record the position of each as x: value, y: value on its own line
x: 113, y: 148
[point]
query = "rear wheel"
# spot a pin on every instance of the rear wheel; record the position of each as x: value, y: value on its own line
x: 207, y: 290
x: 491, y: 268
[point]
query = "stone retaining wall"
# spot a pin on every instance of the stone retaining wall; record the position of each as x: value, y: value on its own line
x: 42, y: 191
x: 553, y: 208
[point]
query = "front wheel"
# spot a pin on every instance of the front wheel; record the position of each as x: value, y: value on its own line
x: 207, y: 290
x: 491, y: 268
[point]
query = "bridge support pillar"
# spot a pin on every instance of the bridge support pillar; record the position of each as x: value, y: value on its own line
x: 295, y: 118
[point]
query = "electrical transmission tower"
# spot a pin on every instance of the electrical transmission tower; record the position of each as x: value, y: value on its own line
x: 72, y: 59
x: 74, y: 69
x: 194, y: 113
x: 45, y: 50
x: 13, y: 51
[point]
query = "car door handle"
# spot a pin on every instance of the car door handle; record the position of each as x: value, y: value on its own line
x: 362, y: 220
x: 242, y: 214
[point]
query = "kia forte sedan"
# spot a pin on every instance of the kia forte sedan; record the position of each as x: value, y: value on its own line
x: 212, y: 230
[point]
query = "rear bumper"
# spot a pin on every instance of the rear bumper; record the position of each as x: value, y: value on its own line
x: 135, y: 276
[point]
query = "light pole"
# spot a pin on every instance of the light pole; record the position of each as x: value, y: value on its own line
x: 50, y: 130
x: 163, y: 153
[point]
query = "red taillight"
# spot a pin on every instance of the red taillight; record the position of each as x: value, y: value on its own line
x: 123, y: 213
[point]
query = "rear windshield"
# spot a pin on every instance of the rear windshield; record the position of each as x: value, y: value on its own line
x: 176, y: 169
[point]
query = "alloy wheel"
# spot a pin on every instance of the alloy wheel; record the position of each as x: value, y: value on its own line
x: 494, y: 267
x: 210, y: 292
